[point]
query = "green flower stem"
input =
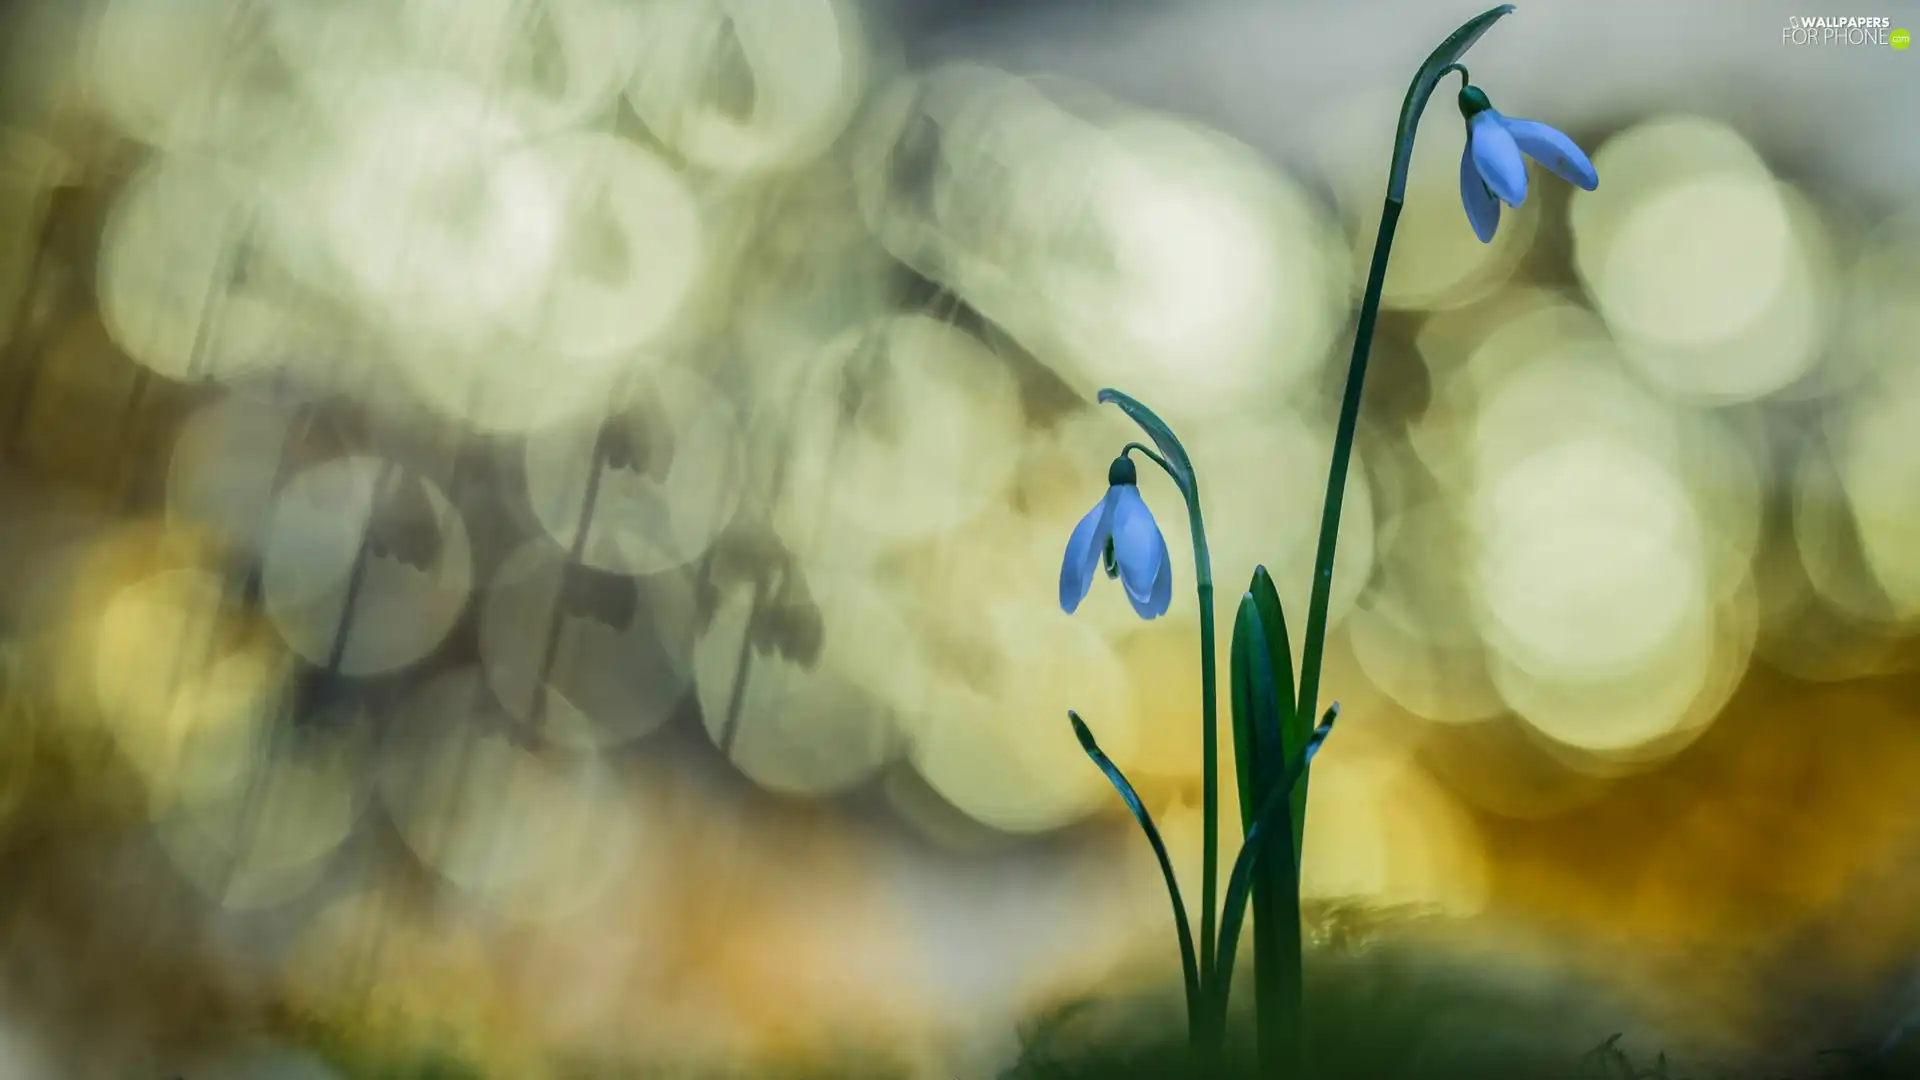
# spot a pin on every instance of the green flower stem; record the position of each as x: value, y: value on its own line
x: 1209, y: 708
x: 1209, y: 758
x: 1439, y: 63
x: 1322, y: 597
x: 1152, y: 455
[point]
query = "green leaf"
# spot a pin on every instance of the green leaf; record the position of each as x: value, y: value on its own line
x: 1189, y: 963
x: 1294, y: 729
x: 1278, y: 740
x: 1428, y: 77
x: 1256, y: 710
x: 1177, y: 460
x: 1262, y: 764
x: 1246, y: 720
x: 1274, y: 819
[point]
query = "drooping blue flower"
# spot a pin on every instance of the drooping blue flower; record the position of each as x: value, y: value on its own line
x: 1120, y: 532
x: 1492, y: 170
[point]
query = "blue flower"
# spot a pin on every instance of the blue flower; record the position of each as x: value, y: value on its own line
x: 1120, y: 532
x: 1491, y: 168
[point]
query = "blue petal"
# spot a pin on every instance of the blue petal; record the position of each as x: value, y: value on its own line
x: 1137, y: 544
x: 1483, y: 210
x: 1497, y: 157
x: 1084, y: 548
x: 1162, y: 597
x: 1551, y: 147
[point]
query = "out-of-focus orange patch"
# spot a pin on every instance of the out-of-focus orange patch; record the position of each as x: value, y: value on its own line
x: 380, y: 975
x: 739, y: 946
x: 1779, y: 828
x: 777, y: 914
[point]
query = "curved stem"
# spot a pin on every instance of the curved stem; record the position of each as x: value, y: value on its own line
x: 1313, y: 649
x: 1154, y: 456
x: 1444, y: 59
x: 1209, y: 706
x: 1209, y: 748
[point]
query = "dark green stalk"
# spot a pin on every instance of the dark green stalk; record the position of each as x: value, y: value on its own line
x: 1209, y: 754
x: 1178, y: 466
x: 1322, y: 597
x: 1442, y: 60
x: 1273, y: 821
x: 1209, y: 731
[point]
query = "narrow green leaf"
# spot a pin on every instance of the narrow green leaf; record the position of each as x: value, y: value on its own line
x: 1273, y: 820
x: 1269, y: 762
x: 1294, y: 727
x: 1274, y: 899
x: 1163, y: 437
x: 1278, y: 740
x: 1189, y: 962
x: 1429, y: 76
x: 1275, y: 890
x: 1246, y: 746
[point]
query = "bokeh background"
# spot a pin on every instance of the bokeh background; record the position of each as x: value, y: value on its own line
x: 530, y: 526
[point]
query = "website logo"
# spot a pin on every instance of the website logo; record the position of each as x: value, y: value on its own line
x: 1844, y: 30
